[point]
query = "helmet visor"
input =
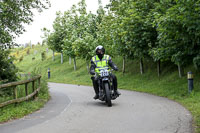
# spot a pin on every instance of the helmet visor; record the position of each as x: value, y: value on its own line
x: 100, y: 52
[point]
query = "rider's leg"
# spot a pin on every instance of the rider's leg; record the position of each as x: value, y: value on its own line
x: 115, y: 84
x: 95, y: 86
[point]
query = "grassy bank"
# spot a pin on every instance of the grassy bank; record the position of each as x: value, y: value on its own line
x: 167, y: 85
x: 19, y: 110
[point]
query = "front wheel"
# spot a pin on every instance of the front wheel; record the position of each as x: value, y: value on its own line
x: 108, y: 96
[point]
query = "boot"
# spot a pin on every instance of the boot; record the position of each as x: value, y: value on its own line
x: 96, y: 96
x: 96, y: 88
x: 117, y: 92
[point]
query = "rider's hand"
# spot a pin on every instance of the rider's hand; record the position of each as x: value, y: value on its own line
x: 92, y: 72
x: 115, y: 68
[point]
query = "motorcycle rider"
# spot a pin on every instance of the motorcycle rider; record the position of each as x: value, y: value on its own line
x: 98, y: 62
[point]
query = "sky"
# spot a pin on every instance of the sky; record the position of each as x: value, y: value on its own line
x: 45, y: 19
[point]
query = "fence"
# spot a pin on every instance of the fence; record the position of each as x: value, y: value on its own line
x: 13, y: 85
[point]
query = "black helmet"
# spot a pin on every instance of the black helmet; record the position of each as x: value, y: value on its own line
x: 99, y: 48
x: 100, y: 51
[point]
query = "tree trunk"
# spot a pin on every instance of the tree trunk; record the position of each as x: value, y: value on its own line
x: 158, y: 68
x: 141, y: 66
x: 180, y: 70
x: 70, y: 60
x: 53, y: 58
x: 88, y: 67
x: 61, y: 57
x: 74, y: 63
x: 123, y: 69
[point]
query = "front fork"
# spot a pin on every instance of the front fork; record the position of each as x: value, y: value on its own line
x: 102, y: 89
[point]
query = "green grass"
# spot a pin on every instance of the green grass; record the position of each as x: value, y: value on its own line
x: 13, y: 111
x: 168, y: 85
x: 19, y: 110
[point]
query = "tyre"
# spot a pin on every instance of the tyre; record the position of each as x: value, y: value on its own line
x: 108, y: 96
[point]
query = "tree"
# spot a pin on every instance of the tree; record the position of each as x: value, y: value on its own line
x: 13, y: 16
x: 70, y: 20
x: 178, y: 34
x: 135, y: 32
x: 7, y: 68
x: 87, y: 30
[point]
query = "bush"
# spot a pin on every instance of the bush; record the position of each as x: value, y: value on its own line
x: 43, y: 54
x: 33, y: 58
x: 196, y: 62
x: 21, y: 58
x: 28, y: 51
x: 7, y: 68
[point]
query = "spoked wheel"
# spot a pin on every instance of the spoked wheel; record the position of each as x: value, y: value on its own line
x: 108, y: 96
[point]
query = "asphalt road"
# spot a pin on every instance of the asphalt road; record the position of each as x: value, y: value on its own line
x: 72, y: 110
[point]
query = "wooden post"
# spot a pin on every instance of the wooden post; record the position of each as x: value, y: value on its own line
x: 26, y: 89
x: 141, y: 66
x: 61, y: 57
x: 88, y: 68
x: 70, y: 60
x: 158, y: 68
x: 53, y: 58
x: 74, y: 63
x: 39, y: 82
x: 33, y: 88
x: 123, y: 69
x: 15, y: 92
x: 180, y: 70
x: 38, y: 87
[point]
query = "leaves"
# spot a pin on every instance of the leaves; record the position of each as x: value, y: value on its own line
x: 13, y: 16
x: 158, y: 29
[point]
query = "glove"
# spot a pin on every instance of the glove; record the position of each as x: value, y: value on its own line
x: 92, y: 72
x: 115, y: 68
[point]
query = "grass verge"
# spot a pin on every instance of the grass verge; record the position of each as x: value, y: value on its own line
x: 19, y: 110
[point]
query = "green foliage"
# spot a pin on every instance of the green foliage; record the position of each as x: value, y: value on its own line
x: 74, y: 32
x: 196, y: 61
x: 163, y: 30
x: 28, y: 51
x: 13, y: 16
x: 178, y: 32
x: 7, y: 68
x: 21, y: 58
x: 33, y: 58
x: 43, y: 55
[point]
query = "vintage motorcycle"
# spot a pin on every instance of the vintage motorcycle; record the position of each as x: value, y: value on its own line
x: 106, y: 87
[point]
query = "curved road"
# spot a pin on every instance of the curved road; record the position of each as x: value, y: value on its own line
x: 72, y: 110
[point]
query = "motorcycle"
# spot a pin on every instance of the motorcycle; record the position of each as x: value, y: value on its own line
x: 106, y: 87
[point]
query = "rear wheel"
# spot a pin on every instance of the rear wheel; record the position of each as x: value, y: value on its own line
x: 108, y: 96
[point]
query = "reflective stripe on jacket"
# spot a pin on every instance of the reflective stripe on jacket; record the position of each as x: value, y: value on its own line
x: 100, y: 64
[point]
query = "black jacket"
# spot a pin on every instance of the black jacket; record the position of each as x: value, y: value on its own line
x: 110, y: 63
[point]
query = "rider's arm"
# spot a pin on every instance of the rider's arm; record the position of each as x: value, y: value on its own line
x: 92, y: 68
x: 112, y: 64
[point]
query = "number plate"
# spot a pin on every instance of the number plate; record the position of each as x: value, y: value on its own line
x: 104, y: 73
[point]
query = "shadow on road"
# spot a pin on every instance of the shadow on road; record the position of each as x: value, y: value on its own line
x: 100, y: 104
